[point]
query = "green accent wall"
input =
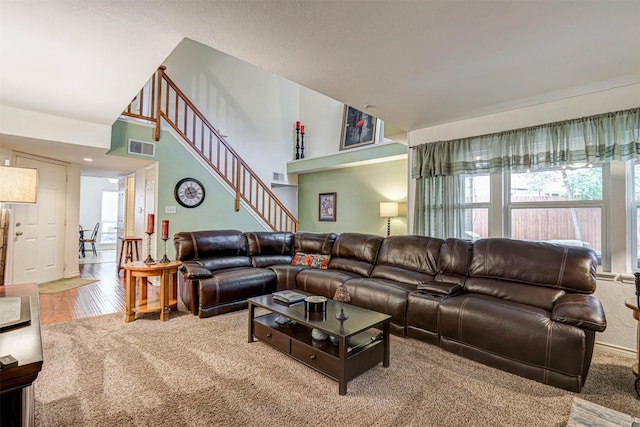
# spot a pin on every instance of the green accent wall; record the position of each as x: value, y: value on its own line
x: 174, y: 163
x: 360, y: 190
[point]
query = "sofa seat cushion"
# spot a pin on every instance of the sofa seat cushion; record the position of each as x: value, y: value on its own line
x: 383, y: 296
x: 230, y: 288
x: 514, y: 331
x: 286, y: 275
x: 323, y: 282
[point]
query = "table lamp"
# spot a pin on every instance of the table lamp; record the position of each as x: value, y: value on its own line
x: 388, y: 210
x: 17, y: 185
x: 342, y: 295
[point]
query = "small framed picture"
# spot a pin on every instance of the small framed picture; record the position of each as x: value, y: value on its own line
x: 327, y: 206
x: 358, y: 128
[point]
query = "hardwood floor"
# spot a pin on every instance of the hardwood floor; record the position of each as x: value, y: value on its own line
x: 105, y: 296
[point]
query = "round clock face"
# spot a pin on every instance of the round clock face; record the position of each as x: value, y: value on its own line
x: 189, y: 192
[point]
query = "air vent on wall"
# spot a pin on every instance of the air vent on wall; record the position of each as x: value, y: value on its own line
x: 278, y: 176
x: 142, y: 148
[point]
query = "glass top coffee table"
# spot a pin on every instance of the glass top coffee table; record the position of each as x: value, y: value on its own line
x: 288, y: 328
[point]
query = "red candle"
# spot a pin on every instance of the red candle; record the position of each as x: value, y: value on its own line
x: 165, y: 228
x: 297, y: 125
x: 302, y: 129
x: 150, y: 223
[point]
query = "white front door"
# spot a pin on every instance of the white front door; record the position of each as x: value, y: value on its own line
x: 39, y: 229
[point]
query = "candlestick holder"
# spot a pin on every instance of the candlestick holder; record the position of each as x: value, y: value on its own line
x: 164, y: 258
x: 302, y: 145
x: 298, y: 144
x: 149, y: 260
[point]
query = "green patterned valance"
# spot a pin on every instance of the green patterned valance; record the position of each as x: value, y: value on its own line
x: 588, y: 140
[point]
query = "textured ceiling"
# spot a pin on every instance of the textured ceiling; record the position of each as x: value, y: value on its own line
x: 417, y: 63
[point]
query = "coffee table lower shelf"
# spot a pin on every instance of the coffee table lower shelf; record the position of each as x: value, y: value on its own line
x: 353, y: 355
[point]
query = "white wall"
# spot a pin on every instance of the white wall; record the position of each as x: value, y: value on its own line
x: 256, y: 109
x: 91, y: 189
x: 14, y: 121
x: 621, y: 329
x: 322, y: 117
x: 72, y: 269
x: 578, y: 106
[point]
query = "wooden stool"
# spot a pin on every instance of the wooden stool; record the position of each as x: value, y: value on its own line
x: 126, y: 252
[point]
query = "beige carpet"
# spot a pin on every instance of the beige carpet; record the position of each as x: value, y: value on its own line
x: 202, y: 372
x: 56, y: 286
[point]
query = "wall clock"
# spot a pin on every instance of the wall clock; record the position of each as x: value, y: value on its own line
x: 189, y: 192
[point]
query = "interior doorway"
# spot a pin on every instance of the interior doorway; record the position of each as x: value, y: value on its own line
x: 99, y: 217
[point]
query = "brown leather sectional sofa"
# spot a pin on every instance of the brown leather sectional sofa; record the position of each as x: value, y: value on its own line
x: 523, y: 307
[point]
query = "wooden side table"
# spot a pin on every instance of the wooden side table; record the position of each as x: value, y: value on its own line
x: 137, y: 272
x: 126, y: 251
x: 632, y: 304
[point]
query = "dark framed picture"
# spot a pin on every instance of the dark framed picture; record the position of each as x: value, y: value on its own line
x: 327, y: 206
x: 358, y: 128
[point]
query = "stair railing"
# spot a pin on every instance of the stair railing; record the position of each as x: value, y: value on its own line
x: 168, y: 102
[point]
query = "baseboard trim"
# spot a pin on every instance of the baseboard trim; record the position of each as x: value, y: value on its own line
x: 616, y: 349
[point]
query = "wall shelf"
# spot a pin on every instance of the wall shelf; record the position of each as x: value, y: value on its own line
x: 356, y: 157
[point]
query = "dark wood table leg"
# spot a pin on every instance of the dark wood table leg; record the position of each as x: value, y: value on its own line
x: 252, y: 312
x: 387, y: 344
x: 342, y: 354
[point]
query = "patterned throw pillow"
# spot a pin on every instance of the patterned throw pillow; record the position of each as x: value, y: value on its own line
x: 311, y: 260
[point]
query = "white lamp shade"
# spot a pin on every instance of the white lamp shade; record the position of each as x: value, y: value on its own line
x: 388, y: 209
x: 18, y: 185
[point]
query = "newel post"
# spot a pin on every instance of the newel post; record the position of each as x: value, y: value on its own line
x: 160, y: 73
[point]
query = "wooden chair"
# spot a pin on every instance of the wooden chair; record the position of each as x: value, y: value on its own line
x: 92, y: 240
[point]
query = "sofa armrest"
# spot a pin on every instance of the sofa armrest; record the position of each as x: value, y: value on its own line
x: 193, y: 270
x: 583, y: 311
x: 440, y: 288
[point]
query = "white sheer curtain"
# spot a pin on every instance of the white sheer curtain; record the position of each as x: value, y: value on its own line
x: 441, y: 215
x: 579, y: 142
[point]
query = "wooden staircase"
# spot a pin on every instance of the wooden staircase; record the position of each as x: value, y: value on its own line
x: 161, y: 100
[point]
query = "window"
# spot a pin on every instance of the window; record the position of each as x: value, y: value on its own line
x: 109, y: 217
x: 537, y: 192
x: 562, y: 205
x: 634, y: 215
x: 475, y: 209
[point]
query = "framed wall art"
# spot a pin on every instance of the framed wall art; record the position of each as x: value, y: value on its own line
x: 358, y: 128
x: 327, y: 206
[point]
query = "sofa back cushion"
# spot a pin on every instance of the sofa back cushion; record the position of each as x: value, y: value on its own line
x: 355, y: 252
x: 567, y: 268
x: 213, y: 249
x: 408, y: 259
x: 453, y: 262
x: 269, y: 248
x: 314, y: 243
x: 522, y: 293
